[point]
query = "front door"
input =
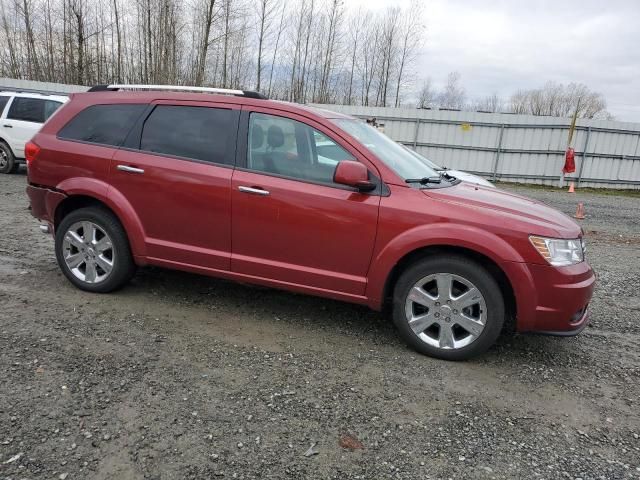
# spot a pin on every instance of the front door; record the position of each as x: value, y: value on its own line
x: 291, y: 222
x: 176, y: 175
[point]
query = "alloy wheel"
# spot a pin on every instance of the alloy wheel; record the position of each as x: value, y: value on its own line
x: 88, y: 252
x: 446, y: 311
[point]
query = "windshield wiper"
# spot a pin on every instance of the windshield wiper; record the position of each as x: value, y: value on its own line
x: 424, y: 180
x: 447, y: 175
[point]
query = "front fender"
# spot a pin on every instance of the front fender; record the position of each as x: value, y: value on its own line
x: 438, y: 234
x: 105, y: 193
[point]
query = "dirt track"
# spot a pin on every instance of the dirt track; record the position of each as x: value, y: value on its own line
x: 181, y: 376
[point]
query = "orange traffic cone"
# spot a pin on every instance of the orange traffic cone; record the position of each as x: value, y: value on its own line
x: 580, y: 211
x: 572, y: 188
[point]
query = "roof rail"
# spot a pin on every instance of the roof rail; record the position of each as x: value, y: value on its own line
x: 180, y: 88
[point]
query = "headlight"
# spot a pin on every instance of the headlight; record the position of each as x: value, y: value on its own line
x: 559, y: 252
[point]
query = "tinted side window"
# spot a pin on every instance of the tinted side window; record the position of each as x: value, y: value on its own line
x: 290, y: 148
x: 27, y: 109
x: 3, y: 103
x: 103, y: 124
x: 200, y: 133
x: 50, y: 106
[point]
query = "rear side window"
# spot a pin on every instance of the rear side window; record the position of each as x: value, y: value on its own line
x: 50, y: 108
x: 3, y: 103
x: 102, y: 124
x: 35, y: 110
x: 199, y: 133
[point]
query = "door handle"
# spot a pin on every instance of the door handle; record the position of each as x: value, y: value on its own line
x: 7, y: 125
x: 253, y: 190
x: 128, y: 169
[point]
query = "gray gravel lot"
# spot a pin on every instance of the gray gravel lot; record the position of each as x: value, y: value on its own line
x: 181, y: 376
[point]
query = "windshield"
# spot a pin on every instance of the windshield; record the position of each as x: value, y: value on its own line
x: 424, y: 159
x: 394, y: 155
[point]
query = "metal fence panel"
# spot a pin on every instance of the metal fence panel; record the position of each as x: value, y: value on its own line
x: 520, y: 148
x: 26, y: 85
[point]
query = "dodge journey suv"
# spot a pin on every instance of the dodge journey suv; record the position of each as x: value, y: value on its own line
x: 230, y: 184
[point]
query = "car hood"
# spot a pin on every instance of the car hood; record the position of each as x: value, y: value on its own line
x: 530, y: 215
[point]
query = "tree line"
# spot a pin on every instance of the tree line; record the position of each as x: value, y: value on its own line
x: 298, y: 50
x: 307, y: 51
x: 552, y: 99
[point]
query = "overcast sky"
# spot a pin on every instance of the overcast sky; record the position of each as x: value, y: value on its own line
x: 499, y: 46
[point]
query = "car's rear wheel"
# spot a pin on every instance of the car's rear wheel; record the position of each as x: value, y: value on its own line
x: 8, y: 162
x: 93, y: 251
x: 448, y: 307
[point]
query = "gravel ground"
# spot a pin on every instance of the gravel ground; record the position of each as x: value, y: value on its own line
x: 181, y: 376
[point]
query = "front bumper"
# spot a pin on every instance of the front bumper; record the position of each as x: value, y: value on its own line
x: 568, y: 333
x: 553, y: 300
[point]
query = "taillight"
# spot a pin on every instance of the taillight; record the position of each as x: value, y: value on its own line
x: 31, y: 151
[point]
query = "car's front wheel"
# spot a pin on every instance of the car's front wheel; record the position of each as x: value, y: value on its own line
x: 93, y: 251
x: 448, y: 307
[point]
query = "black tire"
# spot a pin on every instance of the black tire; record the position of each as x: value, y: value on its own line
x: 123, y: 265
x: 469, y: 270
x: 8, y: 162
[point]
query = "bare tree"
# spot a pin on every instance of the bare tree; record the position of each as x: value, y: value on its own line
x: 277, y: 44
x: 13, y: 68
x: 388, y: 44
x: 411, y: 36
x: 369, y: 58
x: 334, y: 23
x: 32, y: 55
x: 204, y: 41
x: 266, y: 9
x: 311, y: 50
x: 426, y: 96
x: 118, y: 59
x: 491, y: 103
x: 453, y: 96
x: 227, y: 34
x: 560, y: 100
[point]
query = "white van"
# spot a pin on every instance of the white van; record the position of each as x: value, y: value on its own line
x: 21, y: 116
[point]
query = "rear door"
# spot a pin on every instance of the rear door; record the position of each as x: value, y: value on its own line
x: 23, y: 120
x: 291, y: 222
x: 175, y: 170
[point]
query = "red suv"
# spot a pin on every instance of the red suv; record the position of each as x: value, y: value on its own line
x: 233, y: 185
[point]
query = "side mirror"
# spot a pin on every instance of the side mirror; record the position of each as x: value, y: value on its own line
x: 353, y: 174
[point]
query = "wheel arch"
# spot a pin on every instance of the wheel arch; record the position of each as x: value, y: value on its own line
x: 437, y: 250
x: 8, y: 145
x: 120, y: 209
x: 75, y: 202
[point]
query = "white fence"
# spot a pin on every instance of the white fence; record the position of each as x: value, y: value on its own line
x: 29, y: 85
x: 516, y: 148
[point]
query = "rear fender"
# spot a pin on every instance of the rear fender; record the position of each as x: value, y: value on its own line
x: 117, y: 202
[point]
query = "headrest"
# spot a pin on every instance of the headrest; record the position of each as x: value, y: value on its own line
x: 275, y: 136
